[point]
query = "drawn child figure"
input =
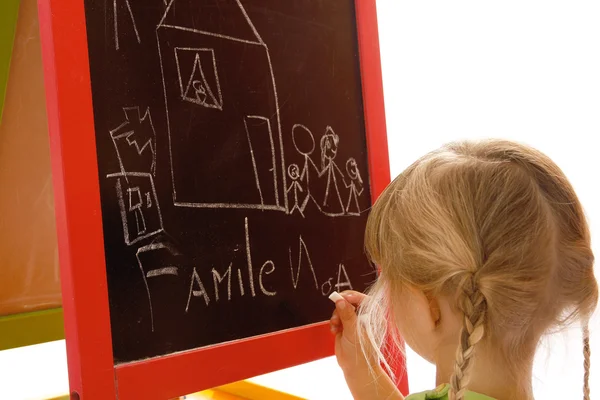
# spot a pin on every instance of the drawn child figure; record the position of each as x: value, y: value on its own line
x: 355, y: 186
x: 200, y: 91
x: 295, y: 187
x: 483, y: 248
x: 332, y: 202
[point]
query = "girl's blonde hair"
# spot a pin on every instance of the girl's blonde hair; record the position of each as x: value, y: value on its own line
x: 497, y: 227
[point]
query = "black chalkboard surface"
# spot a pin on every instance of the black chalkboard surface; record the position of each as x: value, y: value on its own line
x: 232, y: 165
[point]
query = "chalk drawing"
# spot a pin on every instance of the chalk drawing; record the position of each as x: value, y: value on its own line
x: 196, y: 88
x: 137, y: 132
x: 331, y: 203
x: 355, y: 186
x: 329, y: 148
x: 135, y: 206
x: 273, y: 168
x: 199, y: 83
x: 116, y: 22
x: 196, y: 55
x: 162, y: 271
x: 140, y: 220
x: 295, y: 189
x: 169, y: 270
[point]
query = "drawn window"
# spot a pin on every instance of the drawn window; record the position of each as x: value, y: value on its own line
x: 135, y: 198
x: 135, y: 205
x: 198, y: 78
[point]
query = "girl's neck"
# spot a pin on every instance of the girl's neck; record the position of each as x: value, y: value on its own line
x: 489, y: 375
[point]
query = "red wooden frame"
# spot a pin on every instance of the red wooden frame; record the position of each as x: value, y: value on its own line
x: 92, y: 373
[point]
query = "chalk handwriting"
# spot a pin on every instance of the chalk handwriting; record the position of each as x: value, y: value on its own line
x: 240, y: 282
x: 302, y: 250
x: 249, y: 258
x: 271, y: 264
x: 326, y: 287
x: 197, y: 291
x: 346, y: 282
x: 257, y: 281
x: 217, y: 278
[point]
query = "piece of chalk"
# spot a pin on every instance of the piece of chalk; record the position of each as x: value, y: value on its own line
x: 335, y: 297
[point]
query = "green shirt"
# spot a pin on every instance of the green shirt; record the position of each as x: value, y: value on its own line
x: 441, y: 393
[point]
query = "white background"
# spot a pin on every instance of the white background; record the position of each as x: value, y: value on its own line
x: 523, y: 70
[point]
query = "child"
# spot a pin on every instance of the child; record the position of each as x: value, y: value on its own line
x: 483, y: 248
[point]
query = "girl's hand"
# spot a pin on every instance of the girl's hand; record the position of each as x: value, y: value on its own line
x: 364, y: 375
x: 343, y: 324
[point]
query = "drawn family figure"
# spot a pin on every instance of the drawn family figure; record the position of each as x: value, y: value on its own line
x: 332, y: 201
x: 304, y: 142
x: 332, y: 192
x: 355, y: 186
x: 295, y: 188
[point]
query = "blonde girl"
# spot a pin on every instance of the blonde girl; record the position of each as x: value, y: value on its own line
x: 483, y: 248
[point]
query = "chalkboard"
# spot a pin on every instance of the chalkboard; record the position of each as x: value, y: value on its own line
x: 232, y: 164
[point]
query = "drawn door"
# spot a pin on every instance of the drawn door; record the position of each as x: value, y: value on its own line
x: 262, y: 150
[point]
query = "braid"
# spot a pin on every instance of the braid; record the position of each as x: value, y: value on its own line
x: 473, y: 305
x: 586, y: 362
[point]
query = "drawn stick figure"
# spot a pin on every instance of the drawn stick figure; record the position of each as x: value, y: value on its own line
x: 295, y: 188
x: 304, y: 142
x: 355, y: 186
x: 329, y: 146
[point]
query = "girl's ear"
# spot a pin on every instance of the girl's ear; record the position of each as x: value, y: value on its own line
x: 425, y: 310
x: 434, y: 309
x: 417, y: 319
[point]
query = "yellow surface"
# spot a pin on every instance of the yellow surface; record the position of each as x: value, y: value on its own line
x: 242, y: 390
x: 235, y: 391
x: 31, y: 328
x: 213, y: 395
x: 251, y: 391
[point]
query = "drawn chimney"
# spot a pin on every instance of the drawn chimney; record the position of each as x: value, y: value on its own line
x: 135, y: 141
x: 221, y: 99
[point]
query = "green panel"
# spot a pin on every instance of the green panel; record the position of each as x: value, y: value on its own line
x: 31, y: 328
x: 9, y: 9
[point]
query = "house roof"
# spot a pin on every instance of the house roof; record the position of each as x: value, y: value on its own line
x: 222, y: 18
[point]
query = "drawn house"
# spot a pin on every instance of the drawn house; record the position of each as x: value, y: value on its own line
x: 223, y: 117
